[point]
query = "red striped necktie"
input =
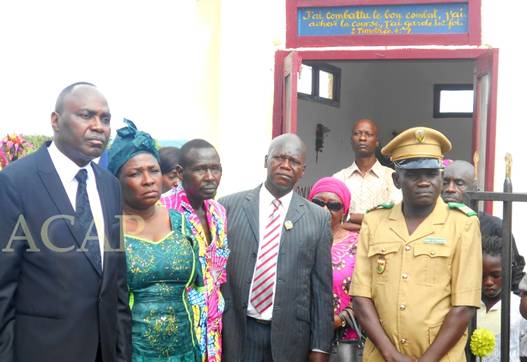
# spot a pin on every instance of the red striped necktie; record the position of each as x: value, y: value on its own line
x: 265, y: 271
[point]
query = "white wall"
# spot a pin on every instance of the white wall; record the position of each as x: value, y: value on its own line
x: 248, y: 45
x: 396, y: 94
x: 502, y: 29
x: 148, y: 59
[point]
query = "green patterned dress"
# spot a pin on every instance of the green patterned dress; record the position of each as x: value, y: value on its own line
x: 158, y: 276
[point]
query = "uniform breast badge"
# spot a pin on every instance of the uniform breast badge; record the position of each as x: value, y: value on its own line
x: 434, y: 240
x: 381, y: 264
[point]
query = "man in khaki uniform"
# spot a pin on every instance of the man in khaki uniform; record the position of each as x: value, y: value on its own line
x: 417, y: 279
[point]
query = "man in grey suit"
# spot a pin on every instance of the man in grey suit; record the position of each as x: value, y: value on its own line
x: 278, y: 304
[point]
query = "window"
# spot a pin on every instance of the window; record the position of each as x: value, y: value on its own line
x: 319, y: 82
x: 453, y: 100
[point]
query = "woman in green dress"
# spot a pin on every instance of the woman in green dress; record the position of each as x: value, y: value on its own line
x: 161, y: 258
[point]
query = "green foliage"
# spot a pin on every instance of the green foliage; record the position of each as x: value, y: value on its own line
x: 14, y: 146
x: 36, y: 141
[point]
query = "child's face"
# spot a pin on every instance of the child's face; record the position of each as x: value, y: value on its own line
x: 491, y: 287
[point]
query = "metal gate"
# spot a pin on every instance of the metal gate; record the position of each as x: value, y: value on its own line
x: 507, y: 197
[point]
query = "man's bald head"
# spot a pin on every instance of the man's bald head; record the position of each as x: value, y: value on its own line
x: 458, y: 178
x: 285, y: 164
x: 59, y: 105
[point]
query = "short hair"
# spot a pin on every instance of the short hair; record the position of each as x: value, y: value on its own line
x: 168, y: 158
x: 491, y: 245
x: 462, y: 166
x: 366, y: 120
x: 287, y: 137
x: 197, y: 143
x: 59, y: 105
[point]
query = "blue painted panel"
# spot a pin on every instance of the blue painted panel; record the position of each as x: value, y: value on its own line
x: 450, y: 18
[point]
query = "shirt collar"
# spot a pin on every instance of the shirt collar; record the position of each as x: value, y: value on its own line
x: 182, y: 199
x: 66, y: 168
x: 494, y: 308
x: 266, y: 198
x: 375, y: 170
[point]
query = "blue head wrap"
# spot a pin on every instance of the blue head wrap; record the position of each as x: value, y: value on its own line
x: 128, y: 143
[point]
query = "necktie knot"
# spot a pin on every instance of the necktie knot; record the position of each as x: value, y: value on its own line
x: 81, y: 176
x: 276, y: 203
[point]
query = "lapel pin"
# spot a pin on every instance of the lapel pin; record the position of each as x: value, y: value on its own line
x: 288, y: 225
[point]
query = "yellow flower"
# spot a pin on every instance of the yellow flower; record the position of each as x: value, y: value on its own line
x: 482, y: 342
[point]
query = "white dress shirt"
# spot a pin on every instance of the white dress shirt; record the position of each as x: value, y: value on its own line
x: 67, y: 169
x: 265, y: 209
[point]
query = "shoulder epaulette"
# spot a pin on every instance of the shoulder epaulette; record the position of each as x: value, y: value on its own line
x: 384, y: 205
x: 463, y: 208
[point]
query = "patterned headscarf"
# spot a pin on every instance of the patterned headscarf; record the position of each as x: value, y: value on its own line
x: 331, y: 184
x: 128, y: 143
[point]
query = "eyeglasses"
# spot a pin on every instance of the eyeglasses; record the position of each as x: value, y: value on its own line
x: 331, y: 205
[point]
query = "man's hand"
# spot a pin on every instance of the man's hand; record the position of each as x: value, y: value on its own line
x: 315, y: 356
x: 351, y: 226
x: 355, y: 218
x: 337, y: 322
x: 455, y: 323
x: 397, y: 356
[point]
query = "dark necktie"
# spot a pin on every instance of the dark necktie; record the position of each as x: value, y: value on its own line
x: 84, y: 221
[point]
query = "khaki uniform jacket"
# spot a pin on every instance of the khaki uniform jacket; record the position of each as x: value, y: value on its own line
x: 414, y: 280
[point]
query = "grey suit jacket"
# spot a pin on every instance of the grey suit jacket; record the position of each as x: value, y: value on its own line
x: 303, y: 310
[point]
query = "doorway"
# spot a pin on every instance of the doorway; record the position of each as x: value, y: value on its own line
x: 395, y: 88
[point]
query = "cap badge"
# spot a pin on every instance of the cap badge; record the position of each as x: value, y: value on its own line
x: 420, y: 135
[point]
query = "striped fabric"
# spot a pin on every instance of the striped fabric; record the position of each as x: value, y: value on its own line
x: 265, y: 271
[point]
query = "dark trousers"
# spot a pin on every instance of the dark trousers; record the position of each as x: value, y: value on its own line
x: 257, y: 346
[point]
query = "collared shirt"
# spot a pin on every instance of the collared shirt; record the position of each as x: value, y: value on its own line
x: 265, y: 209
x: 491, y: 320
x: 371, y: 188
x: 414, y: 280
x: 67, y: 169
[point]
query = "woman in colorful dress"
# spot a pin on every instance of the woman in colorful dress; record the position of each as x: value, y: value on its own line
x: 161, y: 258
x: 334, y: 195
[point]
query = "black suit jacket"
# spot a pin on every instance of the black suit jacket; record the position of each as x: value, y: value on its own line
x: 54, y: 305
x: 303, y: 309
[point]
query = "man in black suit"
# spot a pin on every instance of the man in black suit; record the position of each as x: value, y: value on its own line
x: 460, y: 177
x: 63, y: 293
x: 278, y: 295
